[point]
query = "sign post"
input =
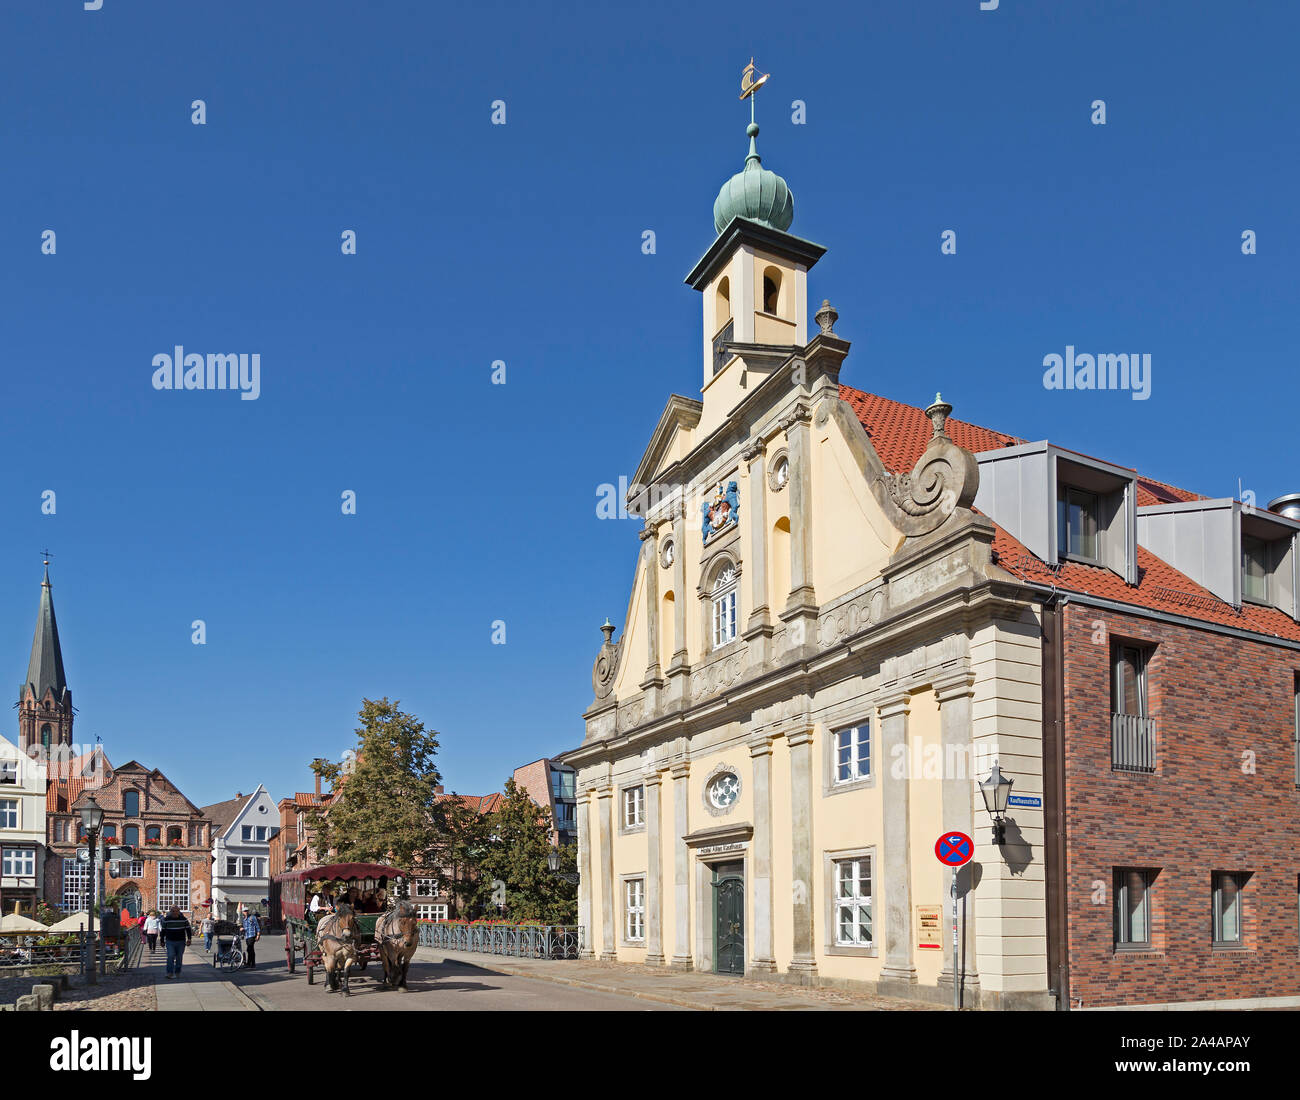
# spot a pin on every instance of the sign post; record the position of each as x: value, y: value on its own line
x: 955, y: 850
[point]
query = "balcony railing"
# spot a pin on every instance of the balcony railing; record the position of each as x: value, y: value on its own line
x: 1132, y: 743
x: 720, y: 353
x: 541, y: 941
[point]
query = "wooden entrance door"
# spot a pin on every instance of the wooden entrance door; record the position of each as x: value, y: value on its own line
x: 729, y: 918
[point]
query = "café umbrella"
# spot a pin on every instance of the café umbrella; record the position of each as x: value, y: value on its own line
x: 16, y: 922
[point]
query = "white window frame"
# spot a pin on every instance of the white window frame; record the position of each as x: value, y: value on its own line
x: 78, y: 879
x: 634, y: 807
x: 9, y: 773
x: 135, y: 868
x: 7, y: 806
x: 232, y: 867
x: 855, y: 903
x: 170, y: 889
x: 426, y: 887
x: 634, y: 910
x: 246, y: 866
x: 246, y: 834
x: 851, y: 746
x: 10, y: 866
x: 722, y: 599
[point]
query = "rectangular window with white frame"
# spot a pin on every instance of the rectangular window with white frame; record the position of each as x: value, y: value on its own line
x: 431, y: 911
x: 853, y: 753
x: 173, y: 885
x: 9, y: 771
x: 232, y: 867
x: 633, y: 807
x: 723, y: 598
x: 18, y: 861
x: 76, y: 884
x: 426, y: 887
x: 853, y: 917
x: 8, y: 813
x: 634, y: 910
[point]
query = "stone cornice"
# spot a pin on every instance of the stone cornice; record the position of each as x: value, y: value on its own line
x: 680, y: 770
x: 956, y: 610
x: 896, y: 702
x: 961, y: 682
x: 795, y: 738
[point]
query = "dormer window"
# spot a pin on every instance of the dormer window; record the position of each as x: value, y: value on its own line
x: 1076, y: 523
x: 1254, y: 569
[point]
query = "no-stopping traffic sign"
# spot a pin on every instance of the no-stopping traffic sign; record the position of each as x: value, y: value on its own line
x: 954, y: 849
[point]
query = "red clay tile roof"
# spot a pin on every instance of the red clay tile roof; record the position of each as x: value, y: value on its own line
x: 61, y: 796
x: 900, y: 432
x: 481, y: 803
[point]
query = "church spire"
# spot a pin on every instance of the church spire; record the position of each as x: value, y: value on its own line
x: 45, y: 669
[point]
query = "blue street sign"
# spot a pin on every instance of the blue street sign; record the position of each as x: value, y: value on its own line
x: 1030, y: 801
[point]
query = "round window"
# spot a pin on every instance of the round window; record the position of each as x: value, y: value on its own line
x: 724, y: 790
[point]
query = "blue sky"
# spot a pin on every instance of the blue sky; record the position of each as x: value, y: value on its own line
x: 522, y: 243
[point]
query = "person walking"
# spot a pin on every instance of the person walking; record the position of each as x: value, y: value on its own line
x: 206, y: 928
x: 176, y: 938
x: 252, y: 933
x: 152, y: 926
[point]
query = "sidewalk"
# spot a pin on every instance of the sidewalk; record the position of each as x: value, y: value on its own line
x: 201, y: 986
x: 686, y: 989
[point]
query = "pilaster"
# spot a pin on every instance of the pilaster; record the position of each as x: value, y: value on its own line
x: 803, y: 964
x: 899, y: 965
x: 762, y: 958
x: 609, y: 888
x: 682, y: 958
x: 653, y: 895
x: 955, y: 694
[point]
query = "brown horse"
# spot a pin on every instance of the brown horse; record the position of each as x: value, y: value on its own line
x: 398, y: 934
x: 338, y: 935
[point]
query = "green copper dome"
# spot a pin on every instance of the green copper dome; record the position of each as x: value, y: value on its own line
x: 754, y: 193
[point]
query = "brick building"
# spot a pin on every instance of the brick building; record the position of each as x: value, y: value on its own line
x: 145, y: 810
x: 552, y: 785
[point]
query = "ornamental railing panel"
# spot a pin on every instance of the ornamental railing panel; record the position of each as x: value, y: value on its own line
x: 521, y: 941
x: 1132, y: 743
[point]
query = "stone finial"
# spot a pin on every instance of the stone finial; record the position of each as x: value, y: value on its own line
x: 608, y: 630
x: 826, y: 317
x: 938, y: 414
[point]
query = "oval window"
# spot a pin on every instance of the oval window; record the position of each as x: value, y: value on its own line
x: 724, y: 791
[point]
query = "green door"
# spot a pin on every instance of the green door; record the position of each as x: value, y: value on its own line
x: 729, y: 918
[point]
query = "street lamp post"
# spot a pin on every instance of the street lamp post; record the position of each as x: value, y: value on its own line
x: 996, y: 789
x: 553, y: 865
x: 92, y: 818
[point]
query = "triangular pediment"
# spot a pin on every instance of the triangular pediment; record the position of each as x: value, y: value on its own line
x: 681, y: 414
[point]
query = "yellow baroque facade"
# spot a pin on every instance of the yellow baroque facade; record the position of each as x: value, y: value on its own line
x: 819, y: 663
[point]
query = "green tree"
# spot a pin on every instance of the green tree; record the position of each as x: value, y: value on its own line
x: 517, y: 860
x: 464, y: 839
x: 385, y: 809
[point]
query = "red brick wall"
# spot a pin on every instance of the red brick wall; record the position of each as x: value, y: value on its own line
x: 1214, y: 698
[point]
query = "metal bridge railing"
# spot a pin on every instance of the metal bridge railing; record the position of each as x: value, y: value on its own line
x: 523, y: 941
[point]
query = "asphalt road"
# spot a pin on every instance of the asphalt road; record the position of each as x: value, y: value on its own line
x: 443, y: 986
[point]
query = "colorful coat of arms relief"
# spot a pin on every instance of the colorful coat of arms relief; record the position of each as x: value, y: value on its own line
x: 722, y: 511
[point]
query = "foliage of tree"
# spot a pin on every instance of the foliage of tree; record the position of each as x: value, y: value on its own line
x: 515, y: 864
x: 385, y: 809
x: 464, y: 838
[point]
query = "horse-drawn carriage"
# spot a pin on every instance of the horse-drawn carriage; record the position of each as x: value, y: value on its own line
x: 350, y: 937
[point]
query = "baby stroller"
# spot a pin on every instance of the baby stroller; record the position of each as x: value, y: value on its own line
x: 228, y: 945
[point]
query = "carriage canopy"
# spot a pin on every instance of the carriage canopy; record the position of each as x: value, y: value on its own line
x: 288, y: 889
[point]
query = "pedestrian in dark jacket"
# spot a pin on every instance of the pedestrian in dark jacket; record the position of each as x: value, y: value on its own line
x: 252, y: 933
x: 176, y: 934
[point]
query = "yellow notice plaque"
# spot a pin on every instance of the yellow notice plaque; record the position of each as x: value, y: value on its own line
x: 929, y: 927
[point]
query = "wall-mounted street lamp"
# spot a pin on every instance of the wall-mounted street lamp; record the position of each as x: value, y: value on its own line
x: 92, y: 818
x: 553, y: 865
x: 996, y: 789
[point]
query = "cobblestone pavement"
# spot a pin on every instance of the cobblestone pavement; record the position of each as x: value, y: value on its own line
x: 684, y: 989
x: 132, y: 992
